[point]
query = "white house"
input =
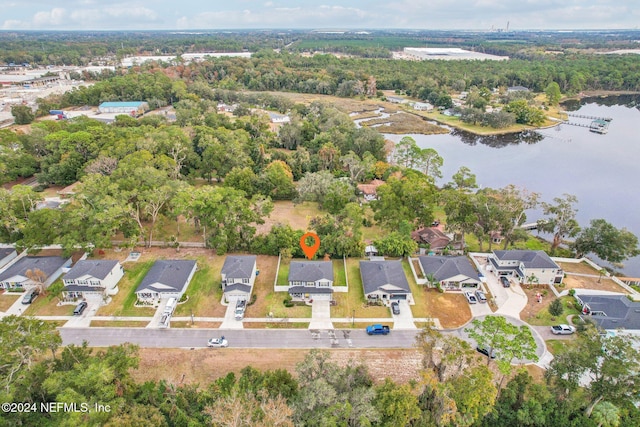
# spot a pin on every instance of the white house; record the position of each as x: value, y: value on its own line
x: 278, y: 118
x: 238, y: 277
x: 422, y: 106
x: 452, y: 273
x: 166, y: 279
x: 92, y: 277
x: 311, y: 280
x: 526, y: 266
x: 48, y: 267
x: 385, y: 280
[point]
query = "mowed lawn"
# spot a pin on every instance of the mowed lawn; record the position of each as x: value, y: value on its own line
x: 267, y: 300
x: 122, y: 304
x: 7, y: 300
x: 205, y: 290
x: 47, y: 305
x: 354, y: 299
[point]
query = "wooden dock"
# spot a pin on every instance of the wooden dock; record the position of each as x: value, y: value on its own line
x: 582, y: 116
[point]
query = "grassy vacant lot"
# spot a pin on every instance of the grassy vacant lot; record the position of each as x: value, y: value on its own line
x: 596, y: 281
x: 403, y: 123
x: 204, y: 292
x: 451, y: 309
x: 7, y: 300
x: 122, y: 304
x: 354, y: 299
x: 202, y: 366
x: 286, y: 212
x: 268, y: 301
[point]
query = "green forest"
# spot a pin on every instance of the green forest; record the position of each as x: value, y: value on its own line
x: 147, y: 179
x: 455, y: 387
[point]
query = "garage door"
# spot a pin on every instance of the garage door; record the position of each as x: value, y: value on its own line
x: 321, y: 297
x: 399, y: 296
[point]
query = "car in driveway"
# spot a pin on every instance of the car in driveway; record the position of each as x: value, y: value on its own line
x: 563, y: 329
x: 483, y: 349
x: 471, y: 298
x: 80, y: 308
x: 218, y: 342
x: 395, y: 307
x: 30, y: 296
x: 505, y: 282
x: 481, y: 296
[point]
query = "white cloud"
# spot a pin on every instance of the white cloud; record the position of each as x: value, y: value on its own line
x: 53, y: 18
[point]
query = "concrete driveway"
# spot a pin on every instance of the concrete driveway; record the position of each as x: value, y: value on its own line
x: 320, y: 315
x: 230, y: 321
x: 404, y: 320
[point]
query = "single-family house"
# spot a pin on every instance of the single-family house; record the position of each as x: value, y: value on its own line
x: 396, y: 99
x: 238, y: 277
x: 526, y: 266
x: 92, y: 278
x: 610, y: 312
x: 43, y: 270
x: 436, y: 239
x: 423, y: 106
x: 310, y: 280
x: 370, y: 191
x: 385, y: 281
x: 7, y: 254
x: 452, y: 273
x: 278, y: 118
x: 166, y: 279
x: 225, y: 108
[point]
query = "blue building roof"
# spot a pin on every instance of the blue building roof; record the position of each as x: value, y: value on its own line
x: 130, y: 104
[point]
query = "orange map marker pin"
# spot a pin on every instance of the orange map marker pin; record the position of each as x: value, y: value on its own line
x: 310, y: 251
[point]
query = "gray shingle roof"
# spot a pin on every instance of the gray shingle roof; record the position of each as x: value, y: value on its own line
x: 530, y: 259
x: 237, y: 287
x: 310, y: 271
x: 167, y: 276
x: 4, y: 252
x: 443, y: 267
x: 620, y: 311
x: 239, y: 266
x: 99, y: 269
x: 376, y: 274
x: 47, y: 264
x: 309, y: 290
x: 79, y: 288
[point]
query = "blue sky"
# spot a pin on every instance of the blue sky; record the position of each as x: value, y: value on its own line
x: 305, y: 14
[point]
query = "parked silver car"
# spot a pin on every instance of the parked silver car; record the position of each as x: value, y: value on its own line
x: 471, y: 298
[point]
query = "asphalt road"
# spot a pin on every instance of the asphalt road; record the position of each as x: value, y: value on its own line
x: 245, y: 338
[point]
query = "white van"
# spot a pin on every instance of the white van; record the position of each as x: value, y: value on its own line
x: 171, y: 305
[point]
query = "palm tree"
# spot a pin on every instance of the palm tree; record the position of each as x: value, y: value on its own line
x: 38, y: 277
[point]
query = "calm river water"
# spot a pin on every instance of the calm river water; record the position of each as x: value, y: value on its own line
x: 600, y: 170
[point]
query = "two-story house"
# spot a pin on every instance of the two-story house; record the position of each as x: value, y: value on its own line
x: 92, y: 278
x: 238, y: 276
x: 310, y: 280
x: 526, y: 266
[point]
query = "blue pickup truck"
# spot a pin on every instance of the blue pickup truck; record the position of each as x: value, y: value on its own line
x: 377, y: 330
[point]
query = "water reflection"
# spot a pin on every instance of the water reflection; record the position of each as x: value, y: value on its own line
x: 498, y: 141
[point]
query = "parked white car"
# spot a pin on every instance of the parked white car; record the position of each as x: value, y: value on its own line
x: 563, y: 329
x: 471, y: 297
x: 218, y: 343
